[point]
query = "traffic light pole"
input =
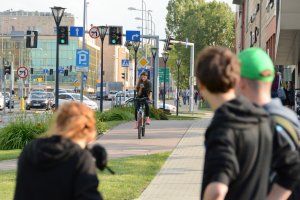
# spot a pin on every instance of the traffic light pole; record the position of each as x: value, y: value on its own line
x: 57, y: 71
x: 191, y: 79
x: 83, y: 47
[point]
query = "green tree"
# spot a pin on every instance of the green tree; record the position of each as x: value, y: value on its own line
x: 204, y: 24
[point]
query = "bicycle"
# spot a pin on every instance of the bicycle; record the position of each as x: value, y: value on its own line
x: 141, y: 117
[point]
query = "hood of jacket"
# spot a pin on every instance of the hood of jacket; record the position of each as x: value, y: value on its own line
x: 239, y: 113
x: 50, y: 152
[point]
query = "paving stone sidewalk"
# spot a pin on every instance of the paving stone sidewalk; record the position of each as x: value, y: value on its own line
x: 181, y: 175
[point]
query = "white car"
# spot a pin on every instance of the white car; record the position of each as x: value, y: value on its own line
x: 67, y: 97
x: 120, y: 99
x: 168, y: 107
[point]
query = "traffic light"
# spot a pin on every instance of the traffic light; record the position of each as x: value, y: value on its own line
x: 31, y: 70
x: 7, y: 69
x: 169, y: 43
x: 115, y: 35
x: 51, y: 72
x: 63, y: 35
x: 123, y: 75
x: 31, y: 39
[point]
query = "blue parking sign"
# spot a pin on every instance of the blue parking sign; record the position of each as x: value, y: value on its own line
x: 82, y: 60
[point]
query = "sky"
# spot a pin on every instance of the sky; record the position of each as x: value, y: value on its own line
x: 100, y: 12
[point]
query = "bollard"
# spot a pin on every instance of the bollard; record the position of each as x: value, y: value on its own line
x: 22, y: 105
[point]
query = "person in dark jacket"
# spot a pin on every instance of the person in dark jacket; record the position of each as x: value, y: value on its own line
x: 257, y: 74
x: 239, y: 139
x: 60, y: 167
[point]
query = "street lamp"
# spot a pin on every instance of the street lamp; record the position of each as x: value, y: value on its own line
x: 102, y: 33
x: 178, y: 63
x: 165, y: 58
x: 135, y: 45
x: 57, y: 13
x: 153, y: 53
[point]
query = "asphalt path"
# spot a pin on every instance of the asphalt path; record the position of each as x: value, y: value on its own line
x: 160, y: 136
x: 122, y: 141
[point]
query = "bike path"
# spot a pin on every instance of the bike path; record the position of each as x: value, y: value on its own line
x: 122, y: 141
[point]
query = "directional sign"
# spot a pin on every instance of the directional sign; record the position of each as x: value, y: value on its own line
x: 94, y: 32
x: 45, y: 71
x: 161, y: 74
x: 22, y: 72
x: 133, y: 35
x: 125, y: 63
x: 61, y: 70
x: 76, y: 31
x: 84, y: 77
x: 82, y: 60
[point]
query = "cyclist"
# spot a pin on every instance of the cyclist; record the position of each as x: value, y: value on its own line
x: 144, y: 89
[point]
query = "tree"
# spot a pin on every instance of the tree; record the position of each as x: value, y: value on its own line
x: 202, y: 23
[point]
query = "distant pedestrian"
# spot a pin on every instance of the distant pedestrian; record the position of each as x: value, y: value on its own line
x: 187, y: 93
x: 59, y: 166
x: 196, y: 95
x: 238, y: 140
x: 184, y: 97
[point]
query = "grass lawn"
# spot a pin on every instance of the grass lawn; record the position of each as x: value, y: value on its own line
x: 133, y: 175
x: 9, y: 154
x: 174, y: 117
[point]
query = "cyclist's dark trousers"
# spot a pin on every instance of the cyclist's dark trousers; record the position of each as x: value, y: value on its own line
x: 138, y: 103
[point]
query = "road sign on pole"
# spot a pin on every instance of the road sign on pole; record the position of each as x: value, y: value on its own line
x: 94, y: 32
x: 82, y: 60
x: 22, y: 72
x: 76, y: 31
x: 133, y: 35
x: 125, y: 63
x: 143, y: 61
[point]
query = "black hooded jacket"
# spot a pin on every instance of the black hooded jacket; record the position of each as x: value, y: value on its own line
x: 56, y: 168
x: 238, y: 150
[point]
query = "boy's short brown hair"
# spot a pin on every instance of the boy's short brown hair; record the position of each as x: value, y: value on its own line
x: 218, y: 69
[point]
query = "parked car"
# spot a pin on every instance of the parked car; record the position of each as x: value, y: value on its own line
x: 111, y: 95
x: 1, y: 101
x: 67, y: 97
x: 168, y: 107
x: 120, y: 98
x: 38, y: 100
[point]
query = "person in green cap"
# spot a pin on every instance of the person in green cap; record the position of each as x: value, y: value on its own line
x: 257, y: 73
x: 234, y: 167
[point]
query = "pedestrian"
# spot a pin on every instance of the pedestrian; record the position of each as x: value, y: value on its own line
x: 187, y: 94
x: 59, y: 166
x: 144, y: 89
x: 238, y: 140
x: 196, y: 94
x: 257, y: 74
x: 184, y: 97
x: 290, y: 93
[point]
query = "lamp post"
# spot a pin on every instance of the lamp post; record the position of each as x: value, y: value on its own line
x: 135, y: 45
x: 102, y: 32
x: 165, y: 58
x: 178, y: 63
x: 153, y: 52
x: 57, y: 13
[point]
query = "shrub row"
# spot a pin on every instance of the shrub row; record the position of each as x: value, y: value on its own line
x: 24, y: 128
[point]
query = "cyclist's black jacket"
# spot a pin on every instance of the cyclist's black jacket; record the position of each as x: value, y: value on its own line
x: 146, y: 90
x: 238, y: 150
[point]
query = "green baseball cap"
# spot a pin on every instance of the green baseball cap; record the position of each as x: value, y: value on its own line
x: 256, y: 65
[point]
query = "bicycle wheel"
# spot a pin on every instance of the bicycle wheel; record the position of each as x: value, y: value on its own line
x: 143, y: 127
x: 140, y: 126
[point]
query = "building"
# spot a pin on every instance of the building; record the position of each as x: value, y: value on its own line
x: 272, y: 25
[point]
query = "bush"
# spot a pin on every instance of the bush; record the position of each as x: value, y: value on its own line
x: 22, y: 130
x: 158, y: 114
x: 116, y: 114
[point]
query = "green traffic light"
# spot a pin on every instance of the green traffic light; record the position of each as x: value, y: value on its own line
x: 62, y: 41
x: 113, y: 41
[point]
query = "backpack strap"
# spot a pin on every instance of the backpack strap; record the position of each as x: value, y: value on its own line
x: 286, y: 124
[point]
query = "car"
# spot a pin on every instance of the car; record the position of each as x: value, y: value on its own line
x: 111, y: 95
x: 1, y: 101
x: 67, y: 97
x: 38, y: 100
x: 168, y: 107
x: 120, y: 99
